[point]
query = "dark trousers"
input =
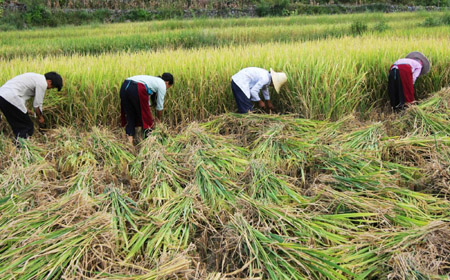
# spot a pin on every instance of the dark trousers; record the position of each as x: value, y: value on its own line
x: 243, y: 103
x: 395, y: 89
x: 129, y: 99
x: 21, y: 123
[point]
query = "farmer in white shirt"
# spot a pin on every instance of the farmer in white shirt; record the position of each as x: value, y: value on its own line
x: 247, y: 83
x: 402, y: 77
x: 14, y: 94
x: 134, y: 98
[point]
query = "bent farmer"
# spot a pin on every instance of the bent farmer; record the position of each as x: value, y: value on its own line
x: 14, y: 94
x: 247, y: 83
x: 137, y: 94
x: 402, y: 77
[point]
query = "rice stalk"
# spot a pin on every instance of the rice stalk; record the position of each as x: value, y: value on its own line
x: 158, y: 172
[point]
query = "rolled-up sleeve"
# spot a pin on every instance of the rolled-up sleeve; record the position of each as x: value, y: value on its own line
x: 160, y: 98
x: 265, y: 92
x: 416, y: 73
x: 262, y: 84
x: 39, y: 96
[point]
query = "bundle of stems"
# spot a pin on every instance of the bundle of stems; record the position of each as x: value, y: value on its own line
x: 168, y: 230
x: 248, y: 196
x: 428, y: 117
x: 60, y: 238
x: 160, y: 174
x: 111, y: 153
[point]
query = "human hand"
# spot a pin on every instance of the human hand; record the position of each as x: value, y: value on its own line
x: 261, y: 104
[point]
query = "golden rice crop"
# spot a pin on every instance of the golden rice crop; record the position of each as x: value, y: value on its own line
x: 328, y: 79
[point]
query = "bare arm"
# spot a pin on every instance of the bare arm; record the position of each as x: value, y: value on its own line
x: 158, y: 115
x: 39, y: 115
x: 269, y: 105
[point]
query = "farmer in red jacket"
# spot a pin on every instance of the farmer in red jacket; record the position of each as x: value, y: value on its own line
x: 402, y: 76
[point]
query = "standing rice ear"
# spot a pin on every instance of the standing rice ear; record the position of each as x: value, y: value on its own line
x: 278, y: 79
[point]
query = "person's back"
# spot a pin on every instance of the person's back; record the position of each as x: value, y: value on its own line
x: 251, y: 75
x: 22, y: 87
x: 402, y: 77
x: 15, y: 93
x: 247, y: 84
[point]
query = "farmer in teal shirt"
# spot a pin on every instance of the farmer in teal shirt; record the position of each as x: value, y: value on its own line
x: 136, y: 95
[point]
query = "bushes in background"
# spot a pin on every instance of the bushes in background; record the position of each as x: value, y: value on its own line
x: 35, y: 13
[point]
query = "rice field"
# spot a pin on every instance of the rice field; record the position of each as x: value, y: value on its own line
x: 330, y: 186
x: 328, y: 78
x: 157, y: 35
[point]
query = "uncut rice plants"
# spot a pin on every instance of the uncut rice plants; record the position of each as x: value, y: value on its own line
x: 327, y: 78
x: 186, y: 34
